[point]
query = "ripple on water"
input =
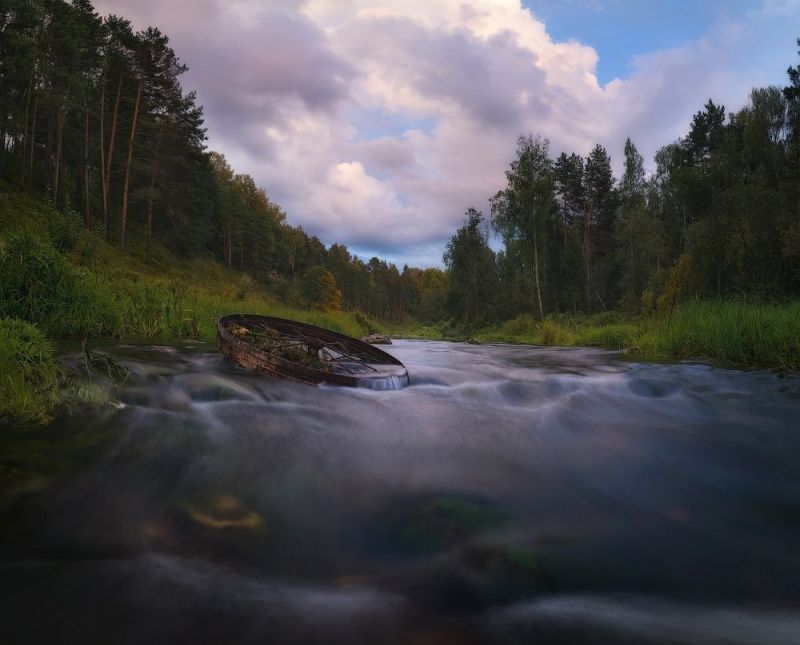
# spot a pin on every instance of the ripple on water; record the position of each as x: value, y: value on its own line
x: 510, y: 494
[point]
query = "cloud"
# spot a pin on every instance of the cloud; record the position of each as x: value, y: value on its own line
x: 377, y: 123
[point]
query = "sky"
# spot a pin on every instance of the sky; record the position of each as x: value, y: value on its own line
x: 378, y: 123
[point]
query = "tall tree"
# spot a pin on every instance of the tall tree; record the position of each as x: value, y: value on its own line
x: 599, y: 227
x: 523, y: 210
x: 470, y: 263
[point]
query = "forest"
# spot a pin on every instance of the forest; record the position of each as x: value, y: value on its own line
x: 95, y: 121
x: 95, y: 124
x: 719, y: 217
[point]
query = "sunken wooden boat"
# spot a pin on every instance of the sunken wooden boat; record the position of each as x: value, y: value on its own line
x: 307, y: 353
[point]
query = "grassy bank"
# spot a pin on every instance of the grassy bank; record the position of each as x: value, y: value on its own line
x: 603, y: 330
x: 59, y: 280
x: 732, y: 332
x: 28, y: 372
x: 66, y: 282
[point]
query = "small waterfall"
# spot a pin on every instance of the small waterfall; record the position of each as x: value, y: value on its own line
x: 385, y: 383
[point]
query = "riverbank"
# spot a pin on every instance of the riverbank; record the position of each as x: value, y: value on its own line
x: 732, y: 332
x: 59, y: 280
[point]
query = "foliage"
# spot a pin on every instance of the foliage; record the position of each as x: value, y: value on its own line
x: 680, y: 284
x: 470, y: 263
x: 28, y: 373
x: 319, y: 290
x: 731, y: 331
x: 37, y: 285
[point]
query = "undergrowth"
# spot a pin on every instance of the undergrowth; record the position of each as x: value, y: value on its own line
x: 28, y: 372
x: 728, y: 330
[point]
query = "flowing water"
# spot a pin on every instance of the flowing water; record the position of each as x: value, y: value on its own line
x: 510, y: 494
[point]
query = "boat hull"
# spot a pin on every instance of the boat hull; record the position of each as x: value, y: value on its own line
x: 253, y: 358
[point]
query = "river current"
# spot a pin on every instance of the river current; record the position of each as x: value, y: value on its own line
x: 510, y: 494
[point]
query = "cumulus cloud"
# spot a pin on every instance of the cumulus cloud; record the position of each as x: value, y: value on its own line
x: 378, y: 122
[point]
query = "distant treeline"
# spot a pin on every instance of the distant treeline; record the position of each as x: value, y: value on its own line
x: 720, y: 216
x: 93, y: 117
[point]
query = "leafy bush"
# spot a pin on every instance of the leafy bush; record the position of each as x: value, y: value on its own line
x: 555, y: 334
x: 28, y: 373
x: 38, y: 286
x: 319, y: 289
x: 681, y: 284
x: 522, y: 325
x: 616, y: 336
x: 366, y: 323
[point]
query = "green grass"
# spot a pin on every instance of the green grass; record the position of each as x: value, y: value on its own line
x: 65, y: 281
x: 71, y: 283
x: 602, y: 330
x: 730, y: 331
x: 28, y: 372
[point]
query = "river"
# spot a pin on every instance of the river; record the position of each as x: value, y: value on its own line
x: 511, y: 494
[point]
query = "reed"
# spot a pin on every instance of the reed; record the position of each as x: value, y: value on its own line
x: 731, y: 331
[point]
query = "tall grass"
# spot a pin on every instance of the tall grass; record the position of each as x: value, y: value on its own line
x: 600, y: 330
x: 28, y: 372
x: 88, y: 288
x: 730, y: 331
x: 39, y: 286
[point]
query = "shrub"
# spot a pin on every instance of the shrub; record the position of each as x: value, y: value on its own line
x: 616, y: 336
x: 28, y: 373
x: 366, y: 323
x: 319, y: 289
x: 555, y: 334
x: 681, y: 283
x: 38, y: 286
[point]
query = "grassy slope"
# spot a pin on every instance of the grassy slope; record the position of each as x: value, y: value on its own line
x: 67, y: 282
x: 171, y: 297
x: 732, y: 332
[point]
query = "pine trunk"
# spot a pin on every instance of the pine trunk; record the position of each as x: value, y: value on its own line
x: 124, y: 215
x: 587, y: 259
x: 25, y: 137
x: 87, y: 215
x: 103, y: 188
x: 33, y: 139
x: 536, y: 267
x: 228, y: 245
x: 112, y: 138
x: 151, y: 197
x: 48, y: 159
x: 59, y: 139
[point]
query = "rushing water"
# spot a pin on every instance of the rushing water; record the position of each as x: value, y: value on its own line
x: 510, y: 494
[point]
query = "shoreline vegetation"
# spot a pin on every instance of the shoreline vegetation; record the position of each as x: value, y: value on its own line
x: 60, y: 281
x: 116, y: 220
x: 728, y: 332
